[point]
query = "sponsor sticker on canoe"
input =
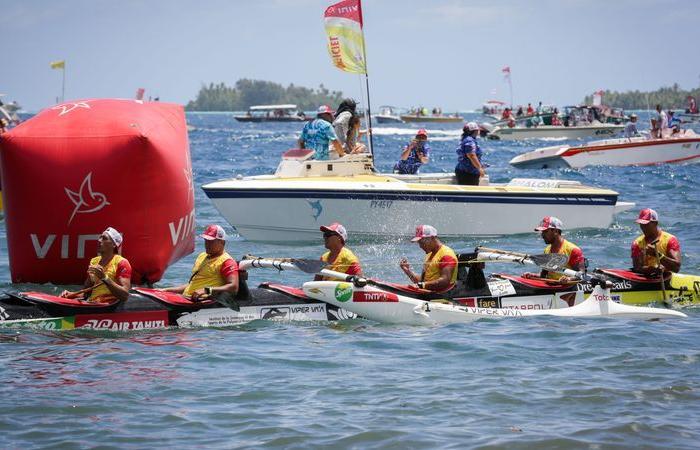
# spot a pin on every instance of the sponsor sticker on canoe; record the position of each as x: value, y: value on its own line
x: 501, y: 288
x: 343, y: 292
x: 123, y: 321
x: 374, y: 297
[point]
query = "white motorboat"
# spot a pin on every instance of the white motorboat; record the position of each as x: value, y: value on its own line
x: 273, y: 113
x: 636, y: 151
x: 388, y: 114
x: 554, y: 131
x: 304, y: 194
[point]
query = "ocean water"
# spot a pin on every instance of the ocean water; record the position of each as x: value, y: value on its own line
x: 542, y: 383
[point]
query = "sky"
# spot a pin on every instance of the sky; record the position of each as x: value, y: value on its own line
x: 446, y: 53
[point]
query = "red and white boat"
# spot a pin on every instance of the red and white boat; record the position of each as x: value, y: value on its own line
x: 683, y: 148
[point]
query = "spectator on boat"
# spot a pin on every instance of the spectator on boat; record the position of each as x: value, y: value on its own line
x: 550, y: 229
x: 347, y: 109
x: 654, y: 251
x: 631, y: 127
x: 674, y: 123
x: 659, y: 123
x: 354, y: 133
x: 3, y: 125
x: 414, y: 155
x: 539, y: 109
x: 339, y: 257
x: 692, y: 105
x: 214, y: 273
x: 507, y: 114
x: 556, y: 121
x: 519, y: 112
x: 318, y: 133
x: 469, y: 167
x: 439, y: 266
x: 530, y: 111
x: 108, y: 273
x: 535, y: 121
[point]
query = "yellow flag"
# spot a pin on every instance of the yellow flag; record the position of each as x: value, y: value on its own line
x: 346, y: 42
x: 58, y: 64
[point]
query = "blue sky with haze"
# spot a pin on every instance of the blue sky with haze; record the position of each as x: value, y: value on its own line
x: 445, y: 53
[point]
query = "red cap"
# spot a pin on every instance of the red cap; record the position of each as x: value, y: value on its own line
x: 336, y: 228
x: 213, y: 232
x: 647, y: 215
x: 550, y: 222
x: 424, y: 231
x: 324, y: 109
x: 422, y: 132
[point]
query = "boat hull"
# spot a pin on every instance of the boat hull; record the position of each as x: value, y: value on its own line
x: 294, y: 214
x: 554, y: 132
x: 379, y: 118
x: 271, y: 119
x: 431, y: 119
x: 614, y: 152
x: 376, y: 304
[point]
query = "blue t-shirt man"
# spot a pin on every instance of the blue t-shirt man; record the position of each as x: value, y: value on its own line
x: 464, y: 164
x: 319, y: 133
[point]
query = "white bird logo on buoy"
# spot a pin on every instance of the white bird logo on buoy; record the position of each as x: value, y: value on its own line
x: 85, y: 200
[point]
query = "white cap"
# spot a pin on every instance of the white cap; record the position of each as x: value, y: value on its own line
x: 115, y: 236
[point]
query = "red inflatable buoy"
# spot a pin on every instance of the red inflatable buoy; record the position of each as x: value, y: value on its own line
x: 79, y: 167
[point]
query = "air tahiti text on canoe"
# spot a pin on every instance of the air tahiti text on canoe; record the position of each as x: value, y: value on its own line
x: 184, y: 228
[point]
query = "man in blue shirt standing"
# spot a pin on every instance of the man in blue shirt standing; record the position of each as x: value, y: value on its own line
x: 318, y: 133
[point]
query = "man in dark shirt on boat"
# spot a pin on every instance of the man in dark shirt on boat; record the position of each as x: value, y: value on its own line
x: 655, y: 250
x: 318, y: 133
x: 214, y: 272
x: 414, y: 154
x: 440, y: 265
x: 109, y: 273
x: 550, y: 228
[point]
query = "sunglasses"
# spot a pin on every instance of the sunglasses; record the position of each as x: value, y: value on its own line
x: 328, y: 234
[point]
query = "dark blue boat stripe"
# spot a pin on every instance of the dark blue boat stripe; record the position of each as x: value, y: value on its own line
x: 512, y: 198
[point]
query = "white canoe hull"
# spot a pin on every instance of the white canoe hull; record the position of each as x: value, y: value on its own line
x: 374, y: 304
x: 554, y: 132
x: 615, y: 152
x: 261, y: 214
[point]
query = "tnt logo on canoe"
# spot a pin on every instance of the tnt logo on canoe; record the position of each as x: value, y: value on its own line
x: 374, y: 297
x: 343, y: 292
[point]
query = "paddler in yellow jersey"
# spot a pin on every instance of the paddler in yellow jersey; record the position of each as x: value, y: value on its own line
x: 440, y: 264
x: 339, y: 257
x: 214, y: 271
x: 655, y: 250
x: 109, y: 273
x: 550, y: 228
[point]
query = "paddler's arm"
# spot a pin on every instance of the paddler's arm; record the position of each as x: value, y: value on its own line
x: 441, y: 283
x: 119, y: 288
x: 175, y: 289
x: 671, y: 262
x: 406, y: 267
x: 231, y: 286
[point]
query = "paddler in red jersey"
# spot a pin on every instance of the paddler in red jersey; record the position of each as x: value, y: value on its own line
x: 214, y: 272
x: 440, y: 263
x: 655, y: 250
x: 339, y: 257
x: 550, y: 228
x: 109, y: 273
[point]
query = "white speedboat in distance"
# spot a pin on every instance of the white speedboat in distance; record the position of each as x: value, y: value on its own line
x: 554, y: 131
x: 636, y: 151
x: 304, y: 194
x: 273, y: 113
x: 388, y: 114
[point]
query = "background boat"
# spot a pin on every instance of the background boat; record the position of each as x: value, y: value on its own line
x: 273, y: 113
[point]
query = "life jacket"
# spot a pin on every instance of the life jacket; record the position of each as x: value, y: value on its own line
x: 206, y: 273
x: 565, y: 249
x: 431, y: 264
x: 346, y: 262
x: 110, y: 272
x: 661, y: 247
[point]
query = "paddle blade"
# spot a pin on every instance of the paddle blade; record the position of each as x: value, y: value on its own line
x: 309, y: 265
x: 550, y: 261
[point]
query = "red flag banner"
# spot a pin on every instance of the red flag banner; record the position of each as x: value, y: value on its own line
x: 346, y: 41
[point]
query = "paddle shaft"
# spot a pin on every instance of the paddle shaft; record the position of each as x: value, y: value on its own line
x: 83, y: 291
